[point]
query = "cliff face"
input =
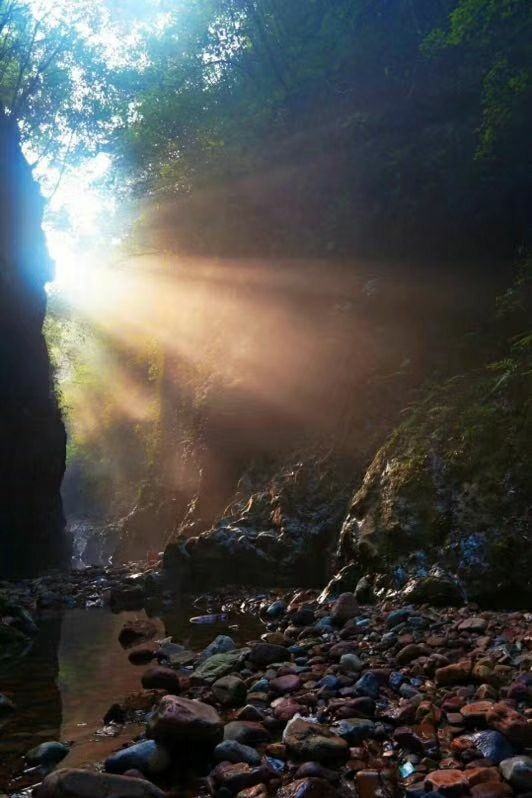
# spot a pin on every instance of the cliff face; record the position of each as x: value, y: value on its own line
x: 32, y: 435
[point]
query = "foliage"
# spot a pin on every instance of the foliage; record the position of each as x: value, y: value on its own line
x: 410, y: 116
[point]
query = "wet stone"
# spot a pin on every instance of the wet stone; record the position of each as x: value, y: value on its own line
x: 148, y: 757
x: 233, y: 751
x: 73, y: 783
x: 518, y: 772
x: 161, y: 678
x: 186, y: 722
x: 47, y: 754
x: 246, y: 732
x: 447, y: 782
x: 314, y: 742
x: 230, y: 690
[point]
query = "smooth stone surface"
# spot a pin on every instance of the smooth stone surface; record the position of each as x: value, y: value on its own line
x: 75, y: 783
x: 147, y: 757
x: 233, y: 751
x: 47, y: 754
x: 186, y: 722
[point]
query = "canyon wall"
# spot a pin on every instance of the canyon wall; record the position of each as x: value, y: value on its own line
x: 32, y: 434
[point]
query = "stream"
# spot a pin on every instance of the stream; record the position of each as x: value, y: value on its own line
x: 76, y: 670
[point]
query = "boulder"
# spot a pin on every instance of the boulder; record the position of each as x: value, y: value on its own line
x: 74, y: 783
x: 344, y: 608
x: 219, y: 665
x: 161, y: 678
x: 314, y: 742
x: 182, y: 721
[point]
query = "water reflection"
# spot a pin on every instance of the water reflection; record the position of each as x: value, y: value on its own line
x: 32, y: 684
x: 76, y: 670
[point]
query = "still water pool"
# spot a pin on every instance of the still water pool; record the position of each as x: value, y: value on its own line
x: 75, y: 670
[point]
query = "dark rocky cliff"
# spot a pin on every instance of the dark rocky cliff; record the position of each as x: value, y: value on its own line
x: 32, y: 435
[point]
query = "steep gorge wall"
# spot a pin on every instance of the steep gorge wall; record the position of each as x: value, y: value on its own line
x: 32, y: 435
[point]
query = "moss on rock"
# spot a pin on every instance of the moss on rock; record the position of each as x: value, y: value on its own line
x: 455, y: 481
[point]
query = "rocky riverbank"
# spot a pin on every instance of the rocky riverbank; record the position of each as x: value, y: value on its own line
x: 339, y: 696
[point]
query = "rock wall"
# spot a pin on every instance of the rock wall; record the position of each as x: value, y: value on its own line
x: 444, y: 509
x: 32, y: 435
x: 452, y: 489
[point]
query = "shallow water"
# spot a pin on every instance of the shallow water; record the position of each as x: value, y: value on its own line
x: 76, y: 670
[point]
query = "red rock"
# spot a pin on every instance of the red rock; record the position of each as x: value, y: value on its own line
x: 286, y: 684
x: 427, y: 711
x: 142, y: 655
x: 142, y: 701
x: 492, y: 789
x: 457, y: 673
x: 257, y: 791
x: 487, y: 672
x: 136, y: 631
x: 239, y: 776
x: 480, y: 775
x: 474, y: 624
x: 160, y: 678
x: 307, y: 788
x: 344, y: 608
x: 411, y: 652
x: 285, y: 709
x: 374, y: 784
x: 448, y: 782
x: 515, y: 727
x: 182, y: 721
x: 475, y: 714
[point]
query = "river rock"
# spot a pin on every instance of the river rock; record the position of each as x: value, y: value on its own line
x: 288, y: 683
x: 276, y: 609
x: 184, y: 721
x: 307, y: 788
x: 447, y: 782
x: 518, y: 771
x: 235, y: 777
x: 354, y: 730
x: 344, y: 608
x: 136, y: 631
x: 246, y: 732
x: 160, y: 678
x: 74, y: 783
x: 233, y: 751
x: 515, y: 727
x: 230, y: 690
x: 314, y: 742
x: 47, y: 754
x: 148, y: 757
x: 220, y: 645
x: 219, y: 665
x: 264, y: 654
x: 142, y: 655
x: 350, y: 663
x: 437, y: 590
x: 492, y: 745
